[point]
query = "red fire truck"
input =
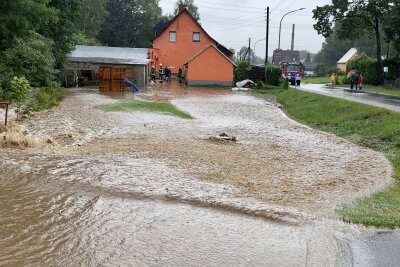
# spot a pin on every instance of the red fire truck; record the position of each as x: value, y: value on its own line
x: 293, y: 71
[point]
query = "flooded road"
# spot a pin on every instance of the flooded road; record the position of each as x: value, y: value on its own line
x: 148, y: 189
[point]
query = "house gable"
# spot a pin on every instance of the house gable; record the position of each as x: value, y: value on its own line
x: 204, y: 50
x: 210, y: 66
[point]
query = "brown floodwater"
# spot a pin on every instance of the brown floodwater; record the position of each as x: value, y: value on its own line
x: 148, y: 189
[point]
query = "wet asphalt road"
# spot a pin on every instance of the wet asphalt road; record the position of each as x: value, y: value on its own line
x: 379, y: 100
x: 382, y: 249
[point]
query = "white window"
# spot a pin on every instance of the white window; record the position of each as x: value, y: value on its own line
x: 172, y: 37
x: 196, y: 37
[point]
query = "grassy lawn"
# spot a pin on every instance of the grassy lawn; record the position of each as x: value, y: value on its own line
x: 382, y: 90
x: 161, y: 107
x: 322, y: 80
x: 316, y: 80
x: 364, y: 125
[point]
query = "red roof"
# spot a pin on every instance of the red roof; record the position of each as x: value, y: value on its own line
x: 163, y: 26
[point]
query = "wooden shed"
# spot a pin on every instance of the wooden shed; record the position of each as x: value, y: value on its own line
x: 108, y: 65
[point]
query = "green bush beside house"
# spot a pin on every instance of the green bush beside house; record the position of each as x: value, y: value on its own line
x: 273, y: 75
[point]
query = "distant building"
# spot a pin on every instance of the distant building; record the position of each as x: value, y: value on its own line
x: 182, y: 41
x: 342, y: 63
x: 285, y: 55
x: 309, y: 69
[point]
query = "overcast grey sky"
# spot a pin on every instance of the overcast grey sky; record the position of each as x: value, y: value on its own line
x: 232, y: 23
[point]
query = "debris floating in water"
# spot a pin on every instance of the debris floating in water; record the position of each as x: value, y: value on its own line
x: 223, y: 137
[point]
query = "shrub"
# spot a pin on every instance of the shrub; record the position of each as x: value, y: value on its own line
x: 273, y: 75
x: 366, y: 66
x: 260, y: 85
x: 320, y: 70
x: 20, y: 89
x: 285, y: 84
x: 241, y: 71
x: 32, y: 58
x: 47, y: 98
x: 6, y: 75
x: 394, y: 68
x: 335, y: 70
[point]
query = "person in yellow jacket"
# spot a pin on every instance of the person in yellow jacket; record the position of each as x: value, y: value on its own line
x: 333, y: 80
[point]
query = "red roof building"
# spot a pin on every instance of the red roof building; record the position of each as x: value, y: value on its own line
x: 182, y: 41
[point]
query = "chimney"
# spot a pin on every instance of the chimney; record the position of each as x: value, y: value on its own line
x: 182, y: 7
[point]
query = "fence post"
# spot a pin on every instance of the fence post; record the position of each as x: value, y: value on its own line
x: 5, y: 103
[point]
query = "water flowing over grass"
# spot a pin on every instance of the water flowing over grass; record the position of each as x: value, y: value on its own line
x: 364, y: 125
x: 161, y: 107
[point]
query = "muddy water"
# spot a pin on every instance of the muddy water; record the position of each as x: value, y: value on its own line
x: 145, y: 189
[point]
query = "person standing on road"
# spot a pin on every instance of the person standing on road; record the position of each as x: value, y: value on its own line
x: 352, y: 75
x: 360, y: 81
x: 180, y: 75
x: 161, y: 73
x: 153, y: 73
x: 333, y: 80
x: 168, y: 74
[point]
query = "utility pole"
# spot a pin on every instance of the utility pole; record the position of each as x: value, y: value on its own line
x: 267, y: 37
x: 292, y: 47
x: 249, y: 50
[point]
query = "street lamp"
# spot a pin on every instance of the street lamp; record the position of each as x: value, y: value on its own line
x: 280, y: 25
x: 254, y: 49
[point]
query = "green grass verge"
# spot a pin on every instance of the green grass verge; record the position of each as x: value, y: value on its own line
x: 364, y: 125
x: 382, y: 90
x: 322, y: 80
x: 161, y: 107
x: 316, y: 80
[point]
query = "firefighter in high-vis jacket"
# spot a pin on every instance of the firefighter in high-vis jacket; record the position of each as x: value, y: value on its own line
x: 161, y: 73
x: 153, y: 74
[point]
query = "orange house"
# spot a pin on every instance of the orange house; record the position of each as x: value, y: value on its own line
x: 182, y: 41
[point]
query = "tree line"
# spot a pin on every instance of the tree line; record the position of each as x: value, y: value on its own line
x: 364, y: 24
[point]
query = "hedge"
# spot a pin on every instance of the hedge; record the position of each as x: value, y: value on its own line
x: 273, y: 75
x: 366, y: 66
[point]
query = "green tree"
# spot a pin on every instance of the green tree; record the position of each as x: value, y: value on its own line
x: 244, y: 54
x: 20, y: 90
x: 320, y: 70
x: 334, y: 47
x: 356, y: 19
x: 391, y: 27
x: 19, y: 17
x: 93, y: 15
x: 6, y: 75
x: 63, y: 31
x: 308, y: 58
x: 191, y: 7
x: 32, y: 58
x: 304, y: 54
x: 130, y: 23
